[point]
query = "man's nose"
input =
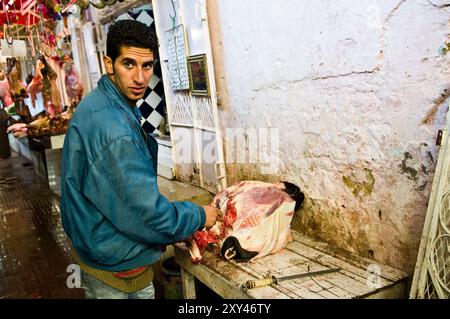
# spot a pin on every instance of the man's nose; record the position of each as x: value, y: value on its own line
x: 139, y: 76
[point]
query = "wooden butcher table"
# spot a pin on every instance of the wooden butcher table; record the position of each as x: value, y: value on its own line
x: 358, y: 277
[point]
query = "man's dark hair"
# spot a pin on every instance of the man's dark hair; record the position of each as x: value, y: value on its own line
x: 130, y: 33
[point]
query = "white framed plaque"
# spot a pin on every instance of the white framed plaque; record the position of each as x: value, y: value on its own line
x: 177, y: 58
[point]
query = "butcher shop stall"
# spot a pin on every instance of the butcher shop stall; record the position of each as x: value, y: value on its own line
x: 252, y: 252
x: 39, y: 83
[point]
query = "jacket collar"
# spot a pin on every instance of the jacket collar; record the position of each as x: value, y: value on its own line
x: 109, y: 88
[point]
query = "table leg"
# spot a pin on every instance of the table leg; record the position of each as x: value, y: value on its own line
x: 188, y: 284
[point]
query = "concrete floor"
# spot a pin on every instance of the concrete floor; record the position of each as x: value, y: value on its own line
x: 34, y: 250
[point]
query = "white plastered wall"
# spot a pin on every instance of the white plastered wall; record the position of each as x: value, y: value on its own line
x: 357, y: 92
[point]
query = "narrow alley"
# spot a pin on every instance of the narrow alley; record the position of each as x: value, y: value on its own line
x: 224, y: 149
x: 34, y: 251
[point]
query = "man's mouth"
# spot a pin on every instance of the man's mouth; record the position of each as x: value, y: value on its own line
x: 137, y: 90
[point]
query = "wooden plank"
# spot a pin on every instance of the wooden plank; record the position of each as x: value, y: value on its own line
x: 358, y: 283
x: 226, y: 277
x: 312, y: 286
x: 258, y: 270
x: 222, y: 276
x: 358, y: 273
x: 327, y: 294
x: 353, y: 284
x: 395, y: 291
x: 291, y: 290
x: 353, y: 287
x: 286, y: 263
x: 341, y: 293
x: 271, y: 292
x: 261, y: 272
x: 300, y: 292
x: 388, y: 272
x: 188, y: 284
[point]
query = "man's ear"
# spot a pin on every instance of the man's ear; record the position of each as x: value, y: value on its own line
x: 109, y: 67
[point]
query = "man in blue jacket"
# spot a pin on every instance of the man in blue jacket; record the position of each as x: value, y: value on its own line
x: 112, y: 210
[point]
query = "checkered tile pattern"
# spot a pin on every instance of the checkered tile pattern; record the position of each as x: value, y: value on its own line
x: 153, y: 105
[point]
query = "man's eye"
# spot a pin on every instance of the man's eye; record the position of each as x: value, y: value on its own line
x: 128, y: 65
x: 148, y: 66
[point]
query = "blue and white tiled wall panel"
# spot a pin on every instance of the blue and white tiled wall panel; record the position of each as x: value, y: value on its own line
x: 153, y: 105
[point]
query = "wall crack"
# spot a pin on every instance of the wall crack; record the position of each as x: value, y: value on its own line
x: 326, y: 77
x: 442, y: 6
x: 384, y: 29
x: 393, y: 11
x: 431, y: 114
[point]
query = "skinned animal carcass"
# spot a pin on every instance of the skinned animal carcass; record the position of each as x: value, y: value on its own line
x: 255, y: 222
x: 74, y: 86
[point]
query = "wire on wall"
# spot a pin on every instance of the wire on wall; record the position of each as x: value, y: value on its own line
x: 174, y: 15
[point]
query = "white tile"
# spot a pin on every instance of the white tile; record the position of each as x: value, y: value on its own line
x: 144, y: 17
x: 154, y: 119
x: 124, y: 16
x: 153, y: 82
x: 153, y: 99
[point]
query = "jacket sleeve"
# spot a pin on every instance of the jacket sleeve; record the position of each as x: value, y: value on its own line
x: 122, y: 184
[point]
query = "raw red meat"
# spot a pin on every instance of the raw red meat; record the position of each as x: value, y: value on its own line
x: 256, y: 220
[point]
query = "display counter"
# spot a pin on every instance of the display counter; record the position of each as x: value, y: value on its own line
x: 45, y: 154
x: 357, y: 277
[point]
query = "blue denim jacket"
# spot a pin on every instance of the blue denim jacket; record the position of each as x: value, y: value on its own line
x: 111, y: 207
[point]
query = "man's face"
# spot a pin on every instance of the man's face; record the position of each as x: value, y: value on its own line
x: 131, y: 71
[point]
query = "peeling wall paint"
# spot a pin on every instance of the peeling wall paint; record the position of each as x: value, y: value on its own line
x: 365, y: 187
x: 358, y: 91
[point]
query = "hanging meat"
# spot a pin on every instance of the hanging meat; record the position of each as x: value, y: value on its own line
x: 74, y: 87
x: 5, y: 91
x: 50, y: 91
x: 45, y: 81
x: 18, y: 88
x: 36, y: 84
x: 255, y: 222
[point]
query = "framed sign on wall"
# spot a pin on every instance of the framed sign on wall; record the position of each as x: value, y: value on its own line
x: 176, y: 49
x: 198, y: 75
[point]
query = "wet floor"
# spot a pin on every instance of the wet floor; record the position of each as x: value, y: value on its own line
x: 34, y: 251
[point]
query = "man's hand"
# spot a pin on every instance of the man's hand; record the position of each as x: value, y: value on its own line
x: 212, y: 213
